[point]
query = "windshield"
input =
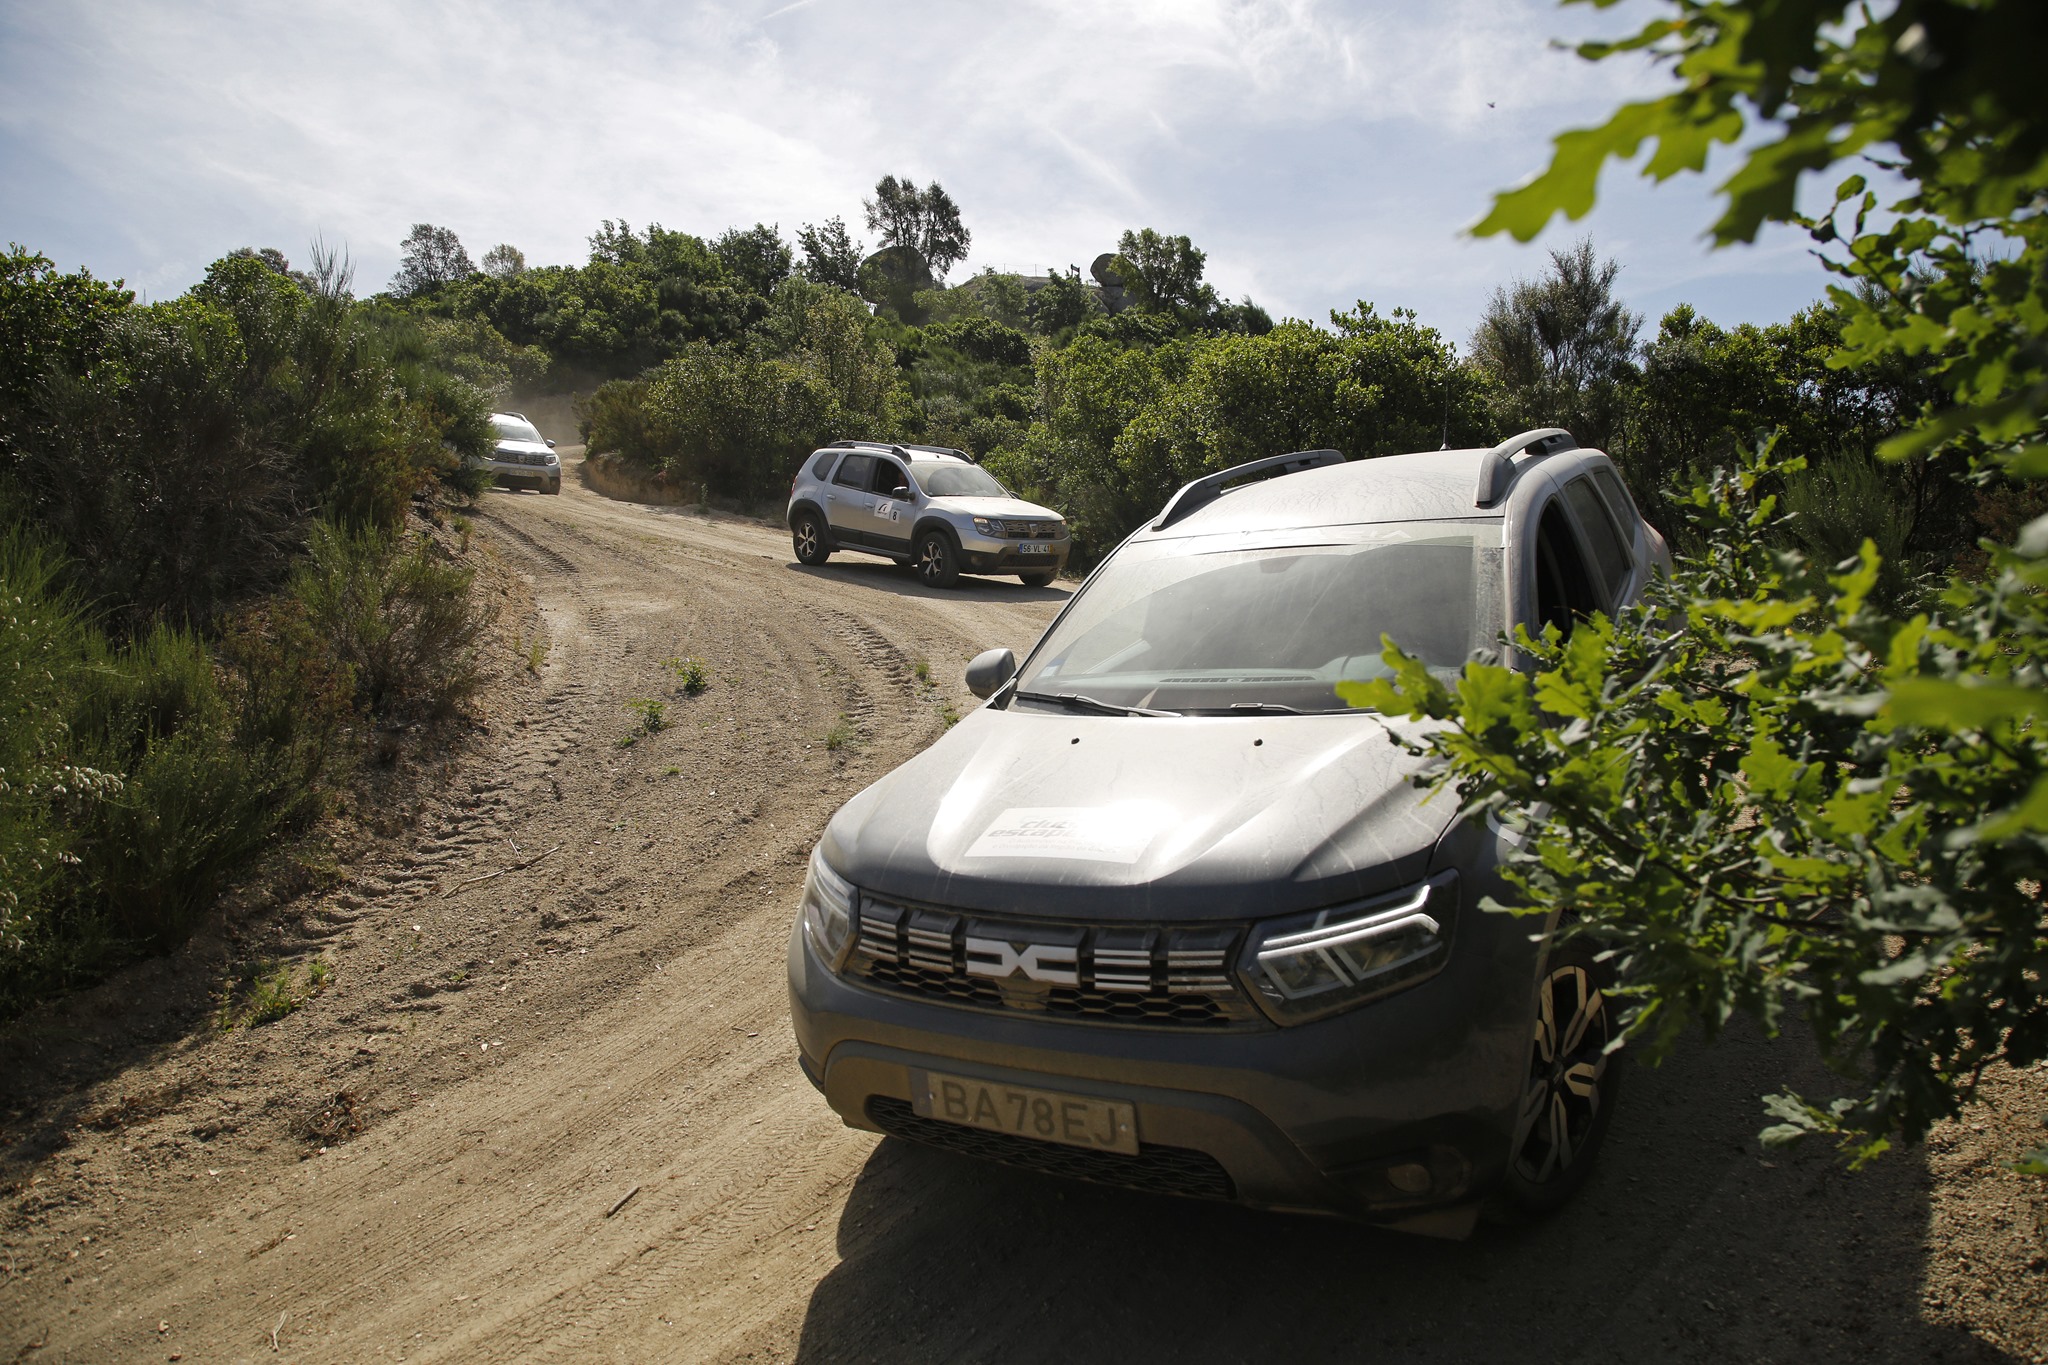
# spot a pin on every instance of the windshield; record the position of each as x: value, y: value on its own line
x: 957, y: 481
x: 1172, y: 626
x: 515, y: 429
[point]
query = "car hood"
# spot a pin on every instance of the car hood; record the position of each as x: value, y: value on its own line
x: 522, y: 448
x: 1132, y: 818
x: 998, y: 507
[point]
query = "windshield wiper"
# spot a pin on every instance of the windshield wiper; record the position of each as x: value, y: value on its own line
x: 1251, y: 708
x: 1075, y: 702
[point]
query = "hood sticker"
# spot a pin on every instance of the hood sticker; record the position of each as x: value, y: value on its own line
x: 1117, y: 833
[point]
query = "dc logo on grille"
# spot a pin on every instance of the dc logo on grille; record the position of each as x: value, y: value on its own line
x: 1045, y: 962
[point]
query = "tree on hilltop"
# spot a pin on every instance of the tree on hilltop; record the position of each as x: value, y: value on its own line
x: 831, y: 255
x: 925, y: 220
x: 432, y: 257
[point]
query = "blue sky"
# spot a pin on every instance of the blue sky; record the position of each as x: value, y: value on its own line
x: 1319, y: 152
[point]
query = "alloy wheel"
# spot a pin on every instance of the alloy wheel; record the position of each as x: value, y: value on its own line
x: 1567, y: 1066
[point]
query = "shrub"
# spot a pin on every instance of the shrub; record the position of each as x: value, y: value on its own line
x: 176, y: 451
x: 42, y: 645
x: 399, y: 617
x: 691, y: 673
x: 134, y: 777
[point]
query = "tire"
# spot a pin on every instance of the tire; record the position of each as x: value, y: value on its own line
x: 937, y: 562
x: 1569, y: 1093
x: 807, y: 536
x: 1037, y: 580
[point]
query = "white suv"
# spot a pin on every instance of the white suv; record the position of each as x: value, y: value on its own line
x: 521, y: 457
x: 927, y: 506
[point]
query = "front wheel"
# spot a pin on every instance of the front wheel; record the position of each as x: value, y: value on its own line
x: 1037, y: 580
x: 808, y: 536
x: 937, y: 563
x: 1569, y: 1092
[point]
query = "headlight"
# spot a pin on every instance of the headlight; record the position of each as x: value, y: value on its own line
x: 985, y: 526
x: 553, y: 458
x: 1306, y: 966
x: 827, y: 910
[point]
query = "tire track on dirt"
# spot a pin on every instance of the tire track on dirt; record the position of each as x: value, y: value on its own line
x: 609, y: 1017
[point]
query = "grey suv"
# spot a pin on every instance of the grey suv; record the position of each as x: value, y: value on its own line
x: 1166, y: 913
x: 927, y: 506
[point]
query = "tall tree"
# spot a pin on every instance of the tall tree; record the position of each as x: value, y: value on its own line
x: 1561, y: 346
x: 432, y: 256
x: 1164, y: 274
x: 831, y: 255
x: 757, y: 257
x: 1066, y: 301
x: 925, y: 220
x: 504, y: 262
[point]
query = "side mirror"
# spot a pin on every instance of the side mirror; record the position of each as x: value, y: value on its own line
x: 990, y: 670
x: 551, y: 445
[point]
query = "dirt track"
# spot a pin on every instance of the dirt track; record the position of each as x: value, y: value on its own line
x: 523, y: 1053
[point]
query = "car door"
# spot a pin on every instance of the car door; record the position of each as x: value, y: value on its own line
x: 892, y: 508
x: 849, y: 499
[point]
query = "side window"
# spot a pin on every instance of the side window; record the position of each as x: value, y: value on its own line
x: 1564, y: 590
x: 1617, y: 496
x: 822, y: 466
x: 890, y: 480
x: 1610, y: 550
x: 855, y: 471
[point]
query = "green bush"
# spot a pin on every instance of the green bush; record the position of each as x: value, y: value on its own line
x: 397, y: 615
x: 176, y: 451
x: 135, y: 776
x: 735, y: 422
x: 193, y: 804
x: 42, y: 649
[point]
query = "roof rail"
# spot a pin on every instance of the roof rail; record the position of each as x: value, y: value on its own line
x: 889, y: 446
x: 1193, y: 497
x: 1497, y: 467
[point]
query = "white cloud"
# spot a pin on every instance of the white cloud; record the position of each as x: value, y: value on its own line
x: 1319, y: 151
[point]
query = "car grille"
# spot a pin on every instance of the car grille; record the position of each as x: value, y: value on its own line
x: 520, y: 457
x: 1026, y: 530
x: 1157, y: 1170
x: 1168, y: 977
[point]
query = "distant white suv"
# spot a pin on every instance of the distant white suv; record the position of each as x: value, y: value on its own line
x: 521, y: 457
x: 927, y: 506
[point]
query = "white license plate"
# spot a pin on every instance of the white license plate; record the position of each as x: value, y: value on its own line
x: 1076, y: 1120
x: 1027, y: 548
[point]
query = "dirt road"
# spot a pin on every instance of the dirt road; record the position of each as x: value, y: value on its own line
x: 547, y: 1105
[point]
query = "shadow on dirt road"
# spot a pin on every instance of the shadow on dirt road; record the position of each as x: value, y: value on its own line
x: 1687, y: 1245
x: 880, y: 576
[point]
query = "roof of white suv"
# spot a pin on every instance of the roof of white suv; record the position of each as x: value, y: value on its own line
x: 1437, y: 485
x: 914, y: 454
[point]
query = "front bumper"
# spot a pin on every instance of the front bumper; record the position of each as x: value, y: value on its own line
x: 1342, y: 1116
x: 990, y: 554
x: 525, y: 475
